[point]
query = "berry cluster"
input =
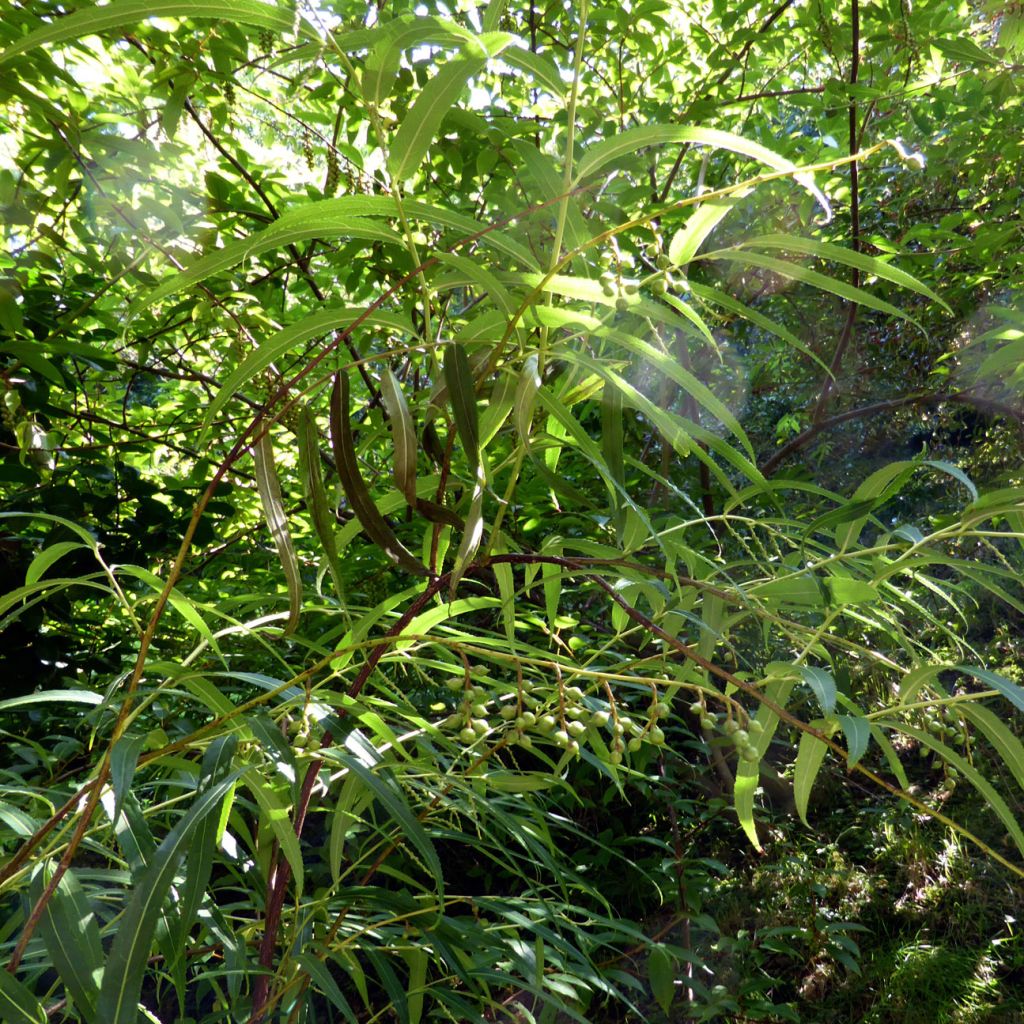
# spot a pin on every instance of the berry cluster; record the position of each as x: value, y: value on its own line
x: 743, y: 739
x: 563, y: 720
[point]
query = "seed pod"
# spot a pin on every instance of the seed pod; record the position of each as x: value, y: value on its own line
x: 599, y: 719
x: 467, y: 735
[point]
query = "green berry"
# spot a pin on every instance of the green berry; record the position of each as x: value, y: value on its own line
x: 707, y: 722
x: 561, y: 738
x: 454, y: 684
x: 663, y: 262
x: 480, y: 726
x: 600, y: 719
x: 622, y: 304
x: 731, y: 727
x: 661, y: 710
x: 576, y: 728
x: 528, y: 718
x: 755, y: 728
x: 479, y: 710
x: 696, y: 708
x: 546, y: 723
x: 657, y: 736
x: 615, y: 757
x: 467, y: 735
x: 508, y: 712
x: 749, y: 754
x: 634, y: 745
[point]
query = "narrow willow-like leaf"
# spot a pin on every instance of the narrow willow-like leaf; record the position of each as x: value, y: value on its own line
x: 277, y: 345
x: 126, y: 13
x: 612, y: 445
x: 423, y: 119
x: 124, y: 756
x: 300, y: 224
x: 356, y: 490
x: 539, y: 65
x: 72, y: 939
x: 526, y: 396
x: 320, y: 512
x: 661, y: 974
x: 473, y: 533
x: 277, y: 522
x: 777, y: 690
x: 809, y: 756
x: 969, y: 772
x: 216, y: 765
x: 796, y: 272
x: 403, y: 435
x: 823, y: 685
x: 858, y: 732
x: 275, y: 813
x: 322, y: 979
x: 848, y: 257
x: 462, y: 394
x: 482, y: 279
x: 602, y: 153
x: 991, y: 726
x: 393, y: 799
x: 382, y: 64
x: 416, y: 959
x: 17, y: 1003
x: 47, y: 557
x: 687, y: 240
x: 126, y: 964
x: 352, y: 801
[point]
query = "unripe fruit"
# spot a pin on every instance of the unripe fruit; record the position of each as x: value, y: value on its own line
x: 663, y: 262
x: 707, y: 722
x: 600, y: 719
x: 573, y: 747
x: 634, y: 745
x: 454, y: 684
x: 615, y: 757
x: 622, y: 304
x: 480, y: 726
x: 574, y: 712
x: 660, y: 710
x: 529, y: 718
x: 467, y: 735
x: 479, y: 710
x: 574, y: 691
x: 696, y: 708
x: 741, y: 738
x: 577, y: 728
x: 525, y: 741
x: 731, y: 727
x: 755, y: 728
x: 657, y: 736
x: 561, y: 738
x: 749, y: 754
x: 627, y: 723
x: 451, y: 722
x: 508, y: 712
x: 546, y: 723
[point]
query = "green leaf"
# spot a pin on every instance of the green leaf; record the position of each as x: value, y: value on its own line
x: 628, y: 142
x: 124, y: 14
x: 17, y: 1003
x: 124, y: 756
x: 810, y: 754
x: 72, y: 939
x: 462, y: 393
x: 126, y: 964
x: 322, y: 979
x: 390, y: 795
x: 539, y: 65
x: 965, y: 51
x: 991, y: 726
x: 276, y: 813
x: 823, y: 685
x: 849, y: 257
x: 355, y: 489
x: 279, y: 344
x: 422, y: 121
x: 277, y: 522
x: 324, y: 521
x: 402, y: 433
x: 661, y: 973
x: 857, y: 731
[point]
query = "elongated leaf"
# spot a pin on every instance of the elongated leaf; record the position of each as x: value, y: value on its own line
x: 526, y: 396
x: 539, y: 65
x: 17, y: 1003
x: 322, y: 979
x: 416, y: 959
x: 390, y: 795
x: 858, y: 732
x: 686, y: 241
x: 462, y: 392
x: 809, y: 756
x: 279, y: 344
x: 126, y: 13
x: 124, y: 756
x: 382, y: 64
x: 848, y: 257
x: 602, y: 153
x: 403, y: 434
x: 612, y: 445
x: 126, y: 964
x: 355, y: 489
x: 777, y: 690
x: 823, y: 685
x: 320, y: 512
x: 797, y: 272
x: 276, y: 813
x: 969, y: 772
x: 661, y: 973
x: 472, y: 535
x: 311, y: 220
x: 991, y: 726
x: 216, y: 765
x: 72, y: 939
x: 38, y: 566
x: 277, y: 522
x: 424, y: 118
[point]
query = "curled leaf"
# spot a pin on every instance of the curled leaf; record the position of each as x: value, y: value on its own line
x: 356, y: 490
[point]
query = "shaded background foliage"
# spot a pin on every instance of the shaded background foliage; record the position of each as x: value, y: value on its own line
x: 640, y: 504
